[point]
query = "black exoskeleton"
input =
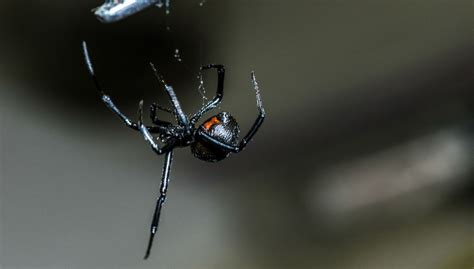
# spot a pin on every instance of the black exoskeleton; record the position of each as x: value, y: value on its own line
x: 211, y: 141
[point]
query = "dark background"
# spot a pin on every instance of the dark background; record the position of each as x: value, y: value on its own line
x: 364, y: 161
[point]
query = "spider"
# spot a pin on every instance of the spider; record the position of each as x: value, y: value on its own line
x: 212, y: 141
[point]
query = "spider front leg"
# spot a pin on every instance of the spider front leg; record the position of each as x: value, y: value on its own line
x: 108, y: 101
x: 253, y: 130
x: 219, y: 93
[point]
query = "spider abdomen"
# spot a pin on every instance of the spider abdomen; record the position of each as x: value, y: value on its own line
x: 222, y: 127
x: 205, y: 152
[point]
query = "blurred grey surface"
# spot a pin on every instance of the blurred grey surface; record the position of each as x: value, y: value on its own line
x: 365, y: 160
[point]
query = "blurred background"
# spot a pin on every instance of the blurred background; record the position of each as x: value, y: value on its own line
x: 364, y: 161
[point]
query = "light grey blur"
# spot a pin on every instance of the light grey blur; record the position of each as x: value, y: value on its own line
x: 112, y: 11
x: 364, y: 161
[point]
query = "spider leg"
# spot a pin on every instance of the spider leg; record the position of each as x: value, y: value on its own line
x: 180, y: 116
x: 165, y: 178
x: 253, y: 130
x: 167, y: 149
x: 261, y: 116
x: 108, y: 101
x: 165, y: 109
x: 149, y: 138
x: 154, y: 119
x: 219, y: 93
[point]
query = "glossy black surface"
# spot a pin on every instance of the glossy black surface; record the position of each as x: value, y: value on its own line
x: 212, y: 141
x: 226, y: 131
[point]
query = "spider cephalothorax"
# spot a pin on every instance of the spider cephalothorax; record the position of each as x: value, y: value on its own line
x: 212, y: 141
x: 222, y: 127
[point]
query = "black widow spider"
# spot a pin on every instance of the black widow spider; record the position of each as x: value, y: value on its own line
x: 211, y: 141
